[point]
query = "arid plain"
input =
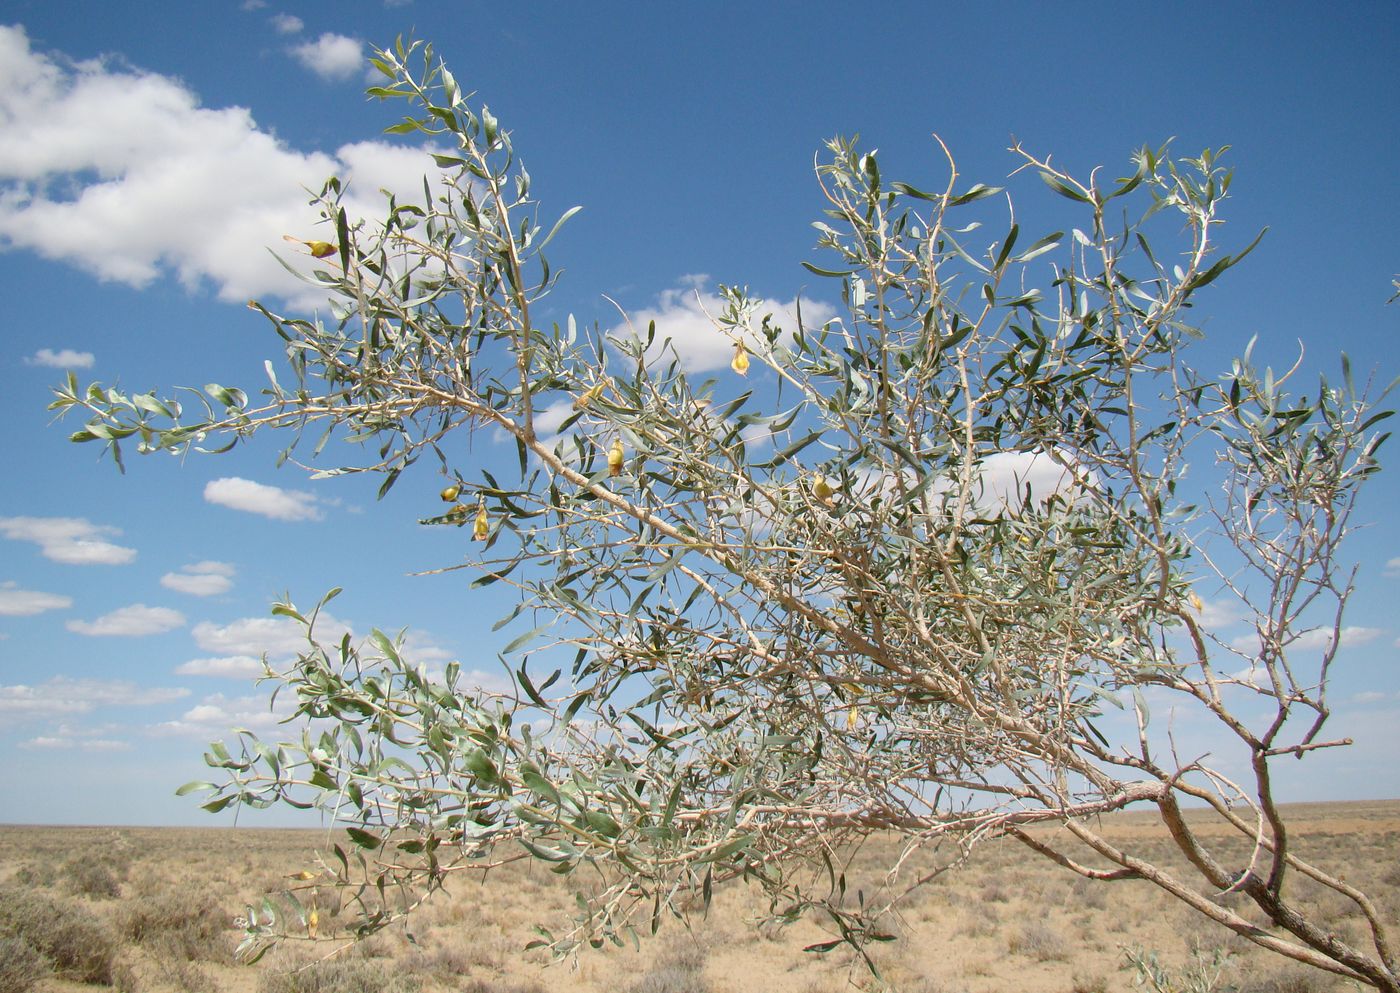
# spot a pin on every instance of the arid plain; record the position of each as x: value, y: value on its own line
x: 148, y: 910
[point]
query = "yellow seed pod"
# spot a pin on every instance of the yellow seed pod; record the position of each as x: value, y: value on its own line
x: 594, y: 392
x: 481, y: 528
x: 450, y: 494
x: 616, y: 456
x: 822, y: 490
x: 320, y: 249
x: 1196, y: 602
x: 313, y: 922
x: 741, y: 359
x: 852, y: 717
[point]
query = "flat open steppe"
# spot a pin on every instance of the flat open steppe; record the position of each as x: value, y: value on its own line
x: 164, y: 899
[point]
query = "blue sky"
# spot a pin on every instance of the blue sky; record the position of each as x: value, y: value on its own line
x: 149, y: 154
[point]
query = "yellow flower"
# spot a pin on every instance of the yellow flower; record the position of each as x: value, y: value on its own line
x: 481, y: 529
x: 616, y: 455
x: 741, y: 359
x: 450, y: 494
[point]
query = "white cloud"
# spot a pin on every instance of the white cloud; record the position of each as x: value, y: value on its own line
x: 287, y: 23
x: 85, y: 744
x: 64, y: 358
x: 252, y: 637
x: 227, y: 667
x: 258, y: 498
x: 1314, y: 639
x: 62, y: 696
x: 134, y: 621
x: 216, y: 715
x: 71, y: 540
x: 1392, y: 568
x: 685, y: 315
x: 332, y: 56
x: 200, y: 579
x: 15, y: 602
x: 123, y: 174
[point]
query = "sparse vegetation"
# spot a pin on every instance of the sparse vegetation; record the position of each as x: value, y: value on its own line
x: 21, y: 965
x: 352, y: 975
x: 77, y: 944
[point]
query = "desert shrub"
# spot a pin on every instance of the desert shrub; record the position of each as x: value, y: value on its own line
x: 21, y: 965
x: 1289, y: 979
x: 1037, y: 941
x: 88, y: 876
x: 175, y: 970
x: 994, y: 892
x: 681, y: 969
x: 33, y: 874
x: 186, y: 923
x: 79, y: 946
x: 340, y: 976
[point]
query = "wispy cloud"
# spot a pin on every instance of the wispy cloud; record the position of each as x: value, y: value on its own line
x: 84, y: 744
x: 685, y: 314
x: 135, y: 621
x: 16, y: 602
x: 287, y: 23
x: 1392, y: 568
x: 200, y: 579
x: 259, y: 498
x: 123, y: 174
x: 64, y: 358
x: 61, y: 696
x: 1314, y: 639
x: 332, y: 56
x: 70, y: 540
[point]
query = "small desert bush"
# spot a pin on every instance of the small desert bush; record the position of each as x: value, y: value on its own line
x: 92, y: 877
x: 1288, y: 979
x: 79, y: 946
x: 680, y: 969
x: 186, y: 923
x: 21, y: 965
x: 340, y: 976
x: 1037, y: 941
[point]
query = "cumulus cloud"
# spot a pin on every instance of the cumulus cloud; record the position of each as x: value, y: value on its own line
x: 252, y: 637
x: 70, y: 540
x: 287, y: 23
x: 332, y: 56
x: 64, y: 358
x: 258, y: 498
x: 228, y: 667
x: 62, y: 696
x: 217, y: 714
x: 685, y: 314
x: 135, y: 621
x: 200, y: 579
x: 16, y: 602
x: 123, y: 174
x: 1392, y: 567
